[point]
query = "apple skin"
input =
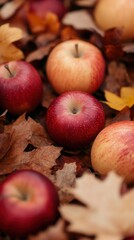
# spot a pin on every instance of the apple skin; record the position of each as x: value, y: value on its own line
x: 66, y: 71
x: 74, y: 118
x: 42, y: 7
x: 113, y: 150
x: 21, y: 92
x: 28, y: 203
x: 109, y: 14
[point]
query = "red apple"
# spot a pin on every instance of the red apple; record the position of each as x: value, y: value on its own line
x: 113, y: 150
x: 28, y: 203
x: 41, y: 7
x: 21, y: 88
x: 75, y: 65
x: 74, y: 118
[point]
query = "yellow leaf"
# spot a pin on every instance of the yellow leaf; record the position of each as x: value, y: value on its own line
x: 8, y: 51
x: 114, y: 101
x: 9, y: 34
x: 127, y: 94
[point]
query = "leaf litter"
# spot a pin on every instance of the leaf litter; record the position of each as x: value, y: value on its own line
x: 24, y: 141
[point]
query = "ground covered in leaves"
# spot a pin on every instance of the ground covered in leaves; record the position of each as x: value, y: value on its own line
x: 24, y: 141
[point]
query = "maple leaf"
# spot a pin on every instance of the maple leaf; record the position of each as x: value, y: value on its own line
x: 126, y: 98
x: 8, y: 51
x: 17, y: 137
x: 107, y: 214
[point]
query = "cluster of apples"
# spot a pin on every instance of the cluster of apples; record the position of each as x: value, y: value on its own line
x: 75, y: 69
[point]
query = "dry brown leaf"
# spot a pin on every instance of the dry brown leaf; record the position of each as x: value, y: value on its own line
x: 41, y: 159
x: 40, y: 52
x: 85, y: 3
x: 107, y: 214
x: 64, y: 179
x: 81, y: 20
x: 124, y: 114
x: 10, y: 8
x: 5, y: 141
x: 55, y: 232
x: 23, y: 133
x: 112, y: 44
x: 8, y: 51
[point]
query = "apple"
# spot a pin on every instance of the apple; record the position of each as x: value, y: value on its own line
x: 113, y: 150
x: 75, y: 65
x: 41, y: 7
x: 116, y: 13
x: 74, y: 118
x: 28, y: 202
x: 21, y: 87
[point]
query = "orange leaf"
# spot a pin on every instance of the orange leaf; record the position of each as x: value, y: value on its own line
x: 48, y: 23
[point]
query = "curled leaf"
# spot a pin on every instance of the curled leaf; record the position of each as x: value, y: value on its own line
x: 8, y: 51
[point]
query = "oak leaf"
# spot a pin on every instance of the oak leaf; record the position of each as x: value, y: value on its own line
x: 8, y: 51
x: 106, y: 213
x: 126, y: 98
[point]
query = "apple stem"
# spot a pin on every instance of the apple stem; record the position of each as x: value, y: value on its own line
x: 8, y: 69
x: 76, y: 50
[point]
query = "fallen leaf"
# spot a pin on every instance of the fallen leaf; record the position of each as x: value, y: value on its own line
x: 116, y: 77
x: 64, y: 179
x: 81, y: 20
x: 48, y: 23
x: 8, y: 51
x: 126, y: 98
x: 23, y: 133
x: 114, y: 101
x: 55, y: 232
x: 127, y: 94
x: 124, y: 114
x: 5, y: 140
x: 112, y: 44
x: 107, y: 214
x: 10, y: 8
x: 40, y: 52
x: 68, y: 32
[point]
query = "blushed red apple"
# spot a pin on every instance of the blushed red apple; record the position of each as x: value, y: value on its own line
x: 113, y: 150
x: 28, y: 203
x: 21, y: 87
x: 75, y: 65
x: 74, y: 118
